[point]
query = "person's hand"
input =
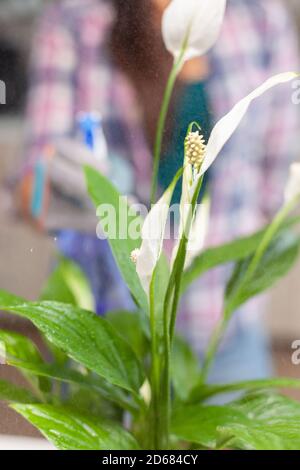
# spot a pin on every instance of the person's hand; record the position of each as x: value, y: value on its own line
x: 66, y: 167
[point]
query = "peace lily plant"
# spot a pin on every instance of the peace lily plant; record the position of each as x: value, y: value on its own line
x: 128, y: 381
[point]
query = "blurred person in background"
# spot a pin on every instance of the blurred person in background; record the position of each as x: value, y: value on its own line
x: 108, y: 56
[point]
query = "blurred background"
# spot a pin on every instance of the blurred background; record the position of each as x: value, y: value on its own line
x: 25, y: 254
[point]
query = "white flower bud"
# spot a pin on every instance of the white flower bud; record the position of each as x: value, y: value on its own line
x: 134, y: 255
x: 198, y: 22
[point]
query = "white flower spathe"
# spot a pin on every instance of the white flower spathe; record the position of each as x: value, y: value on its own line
x: 224, y: 129
x: 198, y: 232
x: 220, y: 134
x: 152, y: 239
x: 155, y: 222
x: 292, y: 189
x: 196, y: 21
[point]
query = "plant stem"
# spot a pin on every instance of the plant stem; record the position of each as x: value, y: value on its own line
x: 162, y: 121
x: 155, y: 372
x: 229, y: 306
x: 178, y: 268
x: 165, y: 387
x: 267, y: 239
x: 170, y: 313
x: 179, y: 264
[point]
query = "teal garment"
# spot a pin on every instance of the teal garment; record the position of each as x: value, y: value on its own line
x: 191, y: 105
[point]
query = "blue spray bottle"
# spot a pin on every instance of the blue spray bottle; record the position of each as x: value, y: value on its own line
x: 92, y: 135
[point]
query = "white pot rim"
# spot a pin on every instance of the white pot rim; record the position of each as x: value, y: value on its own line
x: 8, y: 442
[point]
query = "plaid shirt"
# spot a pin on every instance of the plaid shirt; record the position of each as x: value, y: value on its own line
x: 71, y: 72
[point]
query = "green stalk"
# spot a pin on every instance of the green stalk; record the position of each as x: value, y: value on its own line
x: 181, y: 253
x: 170, y: 313
x: 171, y: 299
x: 155, y: 373
x: 164, y: 420
x: 177, y: 66
x: 180, y: 259
x: 267, y: 239
x: 229, y: 306
x: 165, y: 388
x: 161, y: 124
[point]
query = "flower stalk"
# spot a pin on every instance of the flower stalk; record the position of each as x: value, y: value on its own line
x: 170, y: 313
x: 176, y: 68
x: 162, y: 121
x: 155, y: 418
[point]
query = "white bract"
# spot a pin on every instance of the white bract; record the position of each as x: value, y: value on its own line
x: 292, y: 189
x: 224, y: 129
x: 156, y: 220
x: 152, y: 238
x: 198, y: 232
x: 198, y: 22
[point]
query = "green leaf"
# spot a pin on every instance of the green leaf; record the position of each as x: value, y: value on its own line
x: 87, y: 381
x: 69, y: 430
x: 276, y: 262
x: 122, y: 244
x: 227, y: 253
x: 12, y: 393
x: 257, y: 422
x: 7, y: 298
x: 196, y: 423
x: 88, y: 339
x: 57, y: 289
x: 185, y: 369
x: 68, y: 284
x: 203, y: 392
x: 99, y: 386
x: 90, y: 403
x: 274, y: 424
x: 130, y: 326
x: 223, y: 254
x: 268, y: 406
x: 256, y: 436
x: 18, y: 347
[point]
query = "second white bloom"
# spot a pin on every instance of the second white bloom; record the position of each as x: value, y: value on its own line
x: 198, y: 22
